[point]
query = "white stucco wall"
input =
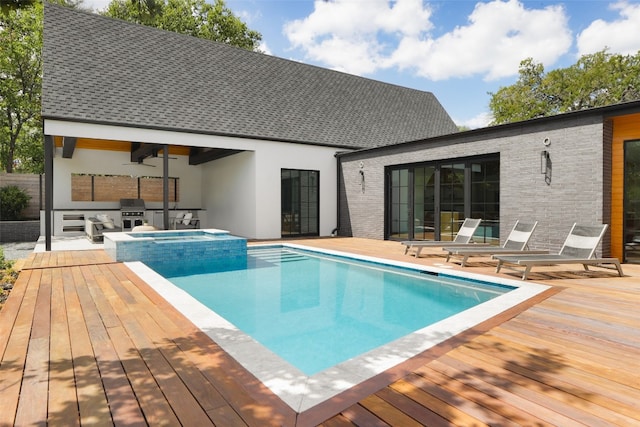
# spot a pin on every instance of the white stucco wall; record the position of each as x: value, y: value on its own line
x: 271, y: 158
x: 240, y: 193
x: 228, y: 193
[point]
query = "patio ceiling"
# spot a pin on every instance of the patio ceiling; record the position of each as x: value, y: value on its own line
x: 140, y: 150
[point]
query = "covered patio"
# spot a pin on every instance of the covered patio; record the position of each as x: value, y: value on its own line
x: 83, y: 341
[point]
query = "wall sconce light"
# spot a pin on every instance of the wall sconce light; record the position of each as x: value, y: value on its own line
x: 545, y: 166
x: 362, y: 179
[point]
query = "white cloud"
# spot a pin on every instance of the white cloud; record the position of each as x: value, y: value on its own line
x: 343, y: 35
x: 264, y: 48
x: 499, y: 36
x: 354, y: 36
x: 479, y: 121
x: 97, y: 5
x: 620, y: 36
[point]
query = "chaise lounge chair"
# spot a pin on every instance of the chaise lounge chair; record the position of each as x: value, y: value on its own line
x: 516, y: 243
x: 185, y: 221
x: 463, y: 238
x: 579, y: 248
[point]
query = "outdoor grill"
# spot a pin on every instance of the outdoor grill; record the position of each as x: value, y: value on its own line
x: 132, y: 212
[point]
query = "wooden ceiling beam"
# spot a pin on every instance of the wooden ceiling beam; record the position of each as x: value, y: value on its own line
x: 68, y: 146
x: 141, y: 150
x: 198, y: 156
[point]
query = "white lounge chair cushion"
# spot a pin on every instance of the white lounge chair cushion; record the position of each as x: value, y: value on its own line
x: 187, y: 218
x: 106, y: 221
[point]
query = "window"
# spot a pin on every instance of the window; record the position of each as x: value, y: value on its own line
x: 300, y: 202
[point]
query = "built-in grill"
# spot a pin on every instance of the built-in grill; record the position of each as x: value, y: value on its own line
x: 132, y: 212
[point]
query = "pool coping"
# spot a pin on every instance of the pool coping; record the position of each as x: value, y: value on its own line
x: 302, y: 392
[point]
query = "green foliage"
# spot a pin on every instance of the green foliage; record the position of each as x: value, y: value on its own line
x: 596, y: 80
x: 13, y: 200
x: 5, y: 264
x: 20, y: 82
x: 8, y: 277
x: 196, y: 18
x: 15, y: 4
x: 21, y: 134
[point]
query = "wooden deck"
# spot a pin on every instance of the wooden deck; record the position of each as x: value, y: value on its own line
x: 84, y: 341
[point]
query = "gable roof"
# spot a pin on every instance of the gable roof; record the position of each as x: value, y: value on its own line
x: 107, y: 71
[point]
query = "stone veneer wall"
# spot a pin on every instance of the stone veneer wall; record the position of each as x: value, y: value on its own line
x: 574, y: 195
x: 19, y: 231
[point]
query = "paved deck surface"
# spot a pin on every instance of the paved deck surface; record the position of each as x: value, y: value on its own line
x: 84, y: 341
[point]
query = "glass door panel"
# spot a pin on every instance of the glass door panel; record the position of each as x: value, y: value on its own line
x: 632, y: 202
x: 399, y: 204
x: 485, y: 200
x: 451, y: 200
x: 424, y: 184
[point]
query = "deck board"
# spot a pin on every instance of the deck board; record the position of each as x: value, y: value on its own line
x: 86, y: 334
x: 34, y: 384
x: 84, y: 341
x: 15, y: 355
x: 62, y: 391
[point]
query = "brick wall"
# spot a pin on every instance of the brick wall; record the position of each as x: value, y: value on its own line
x: 575, y: 193
x: 31, y: 185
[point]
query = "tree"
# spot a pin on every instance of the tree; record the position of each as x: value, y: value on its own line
x: 596, y: 80
x: 192, y: 17
x: 21, y: 133
x: 15, y: 4
x: 20, y: 81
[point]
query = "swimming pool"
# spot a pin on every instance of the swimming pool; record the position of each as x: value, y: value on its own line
x: 306, y: 385
x: 316, y: 310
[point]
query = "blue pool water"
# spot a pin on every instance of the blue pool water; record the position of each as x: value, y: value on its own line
x: 315, y: 310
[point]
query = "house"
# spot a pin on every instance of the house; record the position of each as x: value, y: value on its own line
x: 245, y: 141
x: 582, y: 167
x: 267, y: 148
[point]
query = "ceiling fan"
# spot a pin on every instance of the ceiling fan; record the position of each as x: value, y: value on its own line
x: 141, y: 151
x: 140, y: 163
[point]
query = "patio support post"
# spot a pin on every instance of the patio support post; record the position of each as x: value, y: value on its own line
x: 165, y: 185
x: 48, y: 189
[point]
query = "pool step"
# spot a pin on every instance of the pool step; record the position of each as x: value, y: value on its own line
x: 276, y: 256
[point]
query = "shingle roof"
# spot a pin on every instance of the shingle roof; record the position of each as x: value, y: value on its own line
x: 103, y: 70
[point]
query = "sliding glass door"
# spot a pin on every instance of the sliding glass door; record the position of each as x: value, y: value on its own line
x: 632, y: 202
x: 430, y: 201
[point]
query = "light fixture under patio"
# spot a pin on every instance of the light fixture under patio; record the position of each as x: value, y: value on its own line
x: 545, y: 166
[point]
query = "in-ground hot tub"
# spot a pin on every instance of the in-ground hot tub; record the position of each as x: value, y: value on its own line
x: 169, y: 246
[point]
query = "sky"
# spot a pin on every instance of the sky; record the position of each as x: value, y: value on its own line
x: 459, y: 50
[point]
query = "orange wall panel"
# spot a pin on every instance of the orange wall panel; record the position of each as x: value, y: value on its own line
x: 625, y: 128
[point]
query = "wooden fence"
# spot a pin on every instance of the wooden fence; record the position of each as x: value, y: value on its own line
x: 33, y: 185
